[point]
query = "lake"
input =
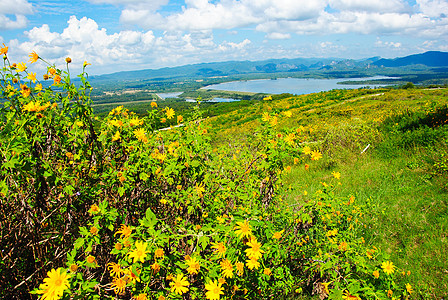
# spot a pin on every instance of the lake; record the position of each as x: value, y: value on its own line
x: 296, y: 86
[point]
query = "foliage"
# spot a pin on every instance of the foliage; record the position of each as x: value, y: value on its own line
x: 132, y: 211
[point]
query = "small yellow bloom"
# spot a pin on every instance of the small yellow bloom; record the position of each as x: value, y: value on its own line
x: 153, y: 104
x: 179, y: 284
x: 159, y: 253
x: 277, y: 235
x: 376, y: 274
x: 32, y: 76
x: 169, y: 113
x: 140, y: 252
x: 55, y: 284
x: 388, y: 267
x: 214, y: 290
x: 21, y: 67
x: 267, y: 272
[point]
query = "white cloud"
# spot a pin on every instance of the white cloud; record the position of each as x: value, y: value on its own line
x: 433, y: 8
x: 384, y: 6
x: 18, y: 8
x: 278, y: 36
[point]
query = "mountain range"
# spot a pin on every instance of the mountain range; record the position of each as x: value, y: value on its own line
x: 430, y: 59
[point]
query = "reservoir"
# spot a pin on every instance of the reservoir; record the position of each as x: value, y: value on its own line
x: 296, y: 86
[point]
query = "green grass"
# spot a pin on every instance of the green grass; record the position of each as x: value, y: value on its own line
x: 405, y: 195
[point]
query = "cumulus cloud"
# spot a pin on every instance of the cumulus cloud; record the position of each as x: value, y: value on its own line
x: 83, y: 39
x: 18, y: 8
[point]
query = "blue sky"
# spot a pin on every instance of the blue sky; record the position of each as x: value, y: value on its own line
x: 115, y: 35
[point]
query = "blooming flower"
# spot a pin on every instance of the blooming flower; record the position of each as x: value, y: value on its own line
x: 409, y: 288
x: 214, y: 290
x: 118, y: 285
x: 316, y: 155
x: 33, y: 57
x: 243, y: 229
x: 114, y: 269
x: 3, y: 50
x: 32, y: 76
x: 239, y: 268
x: 91, y: 259
x: 376, y: 274
x: 57, y: 79
x: 139, y: 253
x: 159, y: 253
x: 277, y: 235
x: 54, y: 285
x: 252, y: 263
x: 336, y: 175
x: 21, y: 67
x: 306, y: 150
x: 388, y: 267
x: 220, y: 249
x: 193, y: 265
x: 155, y: 267
x: 169, y: 113
x: 267, y: 272
x: 254, y: 252
x: 153, y: 104
x: 179, y: 284
x: 265, y: 117
x: 227, y: 268
x: 140, y: 134
x: 125, y: 231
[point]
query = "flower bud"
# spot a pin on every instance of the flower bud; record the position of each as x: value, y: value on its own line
x: 68, y: 60
x: 45, y: 76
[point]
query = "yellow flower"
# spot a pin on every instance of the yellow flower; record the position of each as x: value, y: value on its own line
x: 199, y: 189
x: 94, y: 230
x: 38, y: 87
x: 3, y: 50
x: 141, y: 297
x: 214, y: 290
x: 376, y: 274
x: 57, y: 79
x: 114, y: 269
x: 193, y: 265
x: 85, y: 64
x: 227, y: 268
x: 118, y: 285
x: 267, y: 272
x: 153, y: 104
x: 135, y: 122
x: 73, y: 268
x: 180, y: 119
x: 21, y: 67
x: 159, y: 253
x: 125, y: 231
x: 388, y: 267
x: 220, y: 249
x: 54, y: 285
x: 252, y: 263
x: 243, y: 229
x: 33, y: 57
x: 68, y: 60
x: 265, y: 117
x: 347, y: 296
x: 179, y: 284
x: 139, y: 253
x: 267, y: 98
x: 336, y: 175
x: 169, y: 113
x: 316, y: 155
x: 140, y: 134
x: 254, y: 252
x: 91, y: 259
x: 277, y: 235
x: 306, y: 150
x: 290, y: 138
x: 155, y: 267
x: 239, y: 268
x: 116, y: 136
x: 32, y: 76
x: 288, y: 114
x: 274, y: 121
x: 343, y: 246
x: 94, y: 209
x: 409, y: 288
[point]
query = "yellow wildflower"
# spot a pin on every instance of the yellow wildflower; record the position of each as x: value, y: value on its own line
x: 220, y: 249
x: 316, y: 155
x: 139, y: 253
x: 125, y: 231
x: 267, y: 272
x: 336, y: 175
x: 265, y: 117
x: 118, y: 285
x: 214, y: 290
x: 179, y: 284
x: 376, y: 274
x: 32, y: 76
x: 140, y: 134
x: 254, y: 252
x: 388, y: 267
x: 193, y: 265
x: 306, y: 150
x: 277, y: 235
x: 114, y: 269
x: 252, y: 263
x: 159, y: 253
x: 227, y: 268
x: 169, y: 113
x: 3, y: 50
x: 21, y: 67
x: 33, y: 57
x: 243, y: 229
x: 54, y: 284
x: 153, y: 104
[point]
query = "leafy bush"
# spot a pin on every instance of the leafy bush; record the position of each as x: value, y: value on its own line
x: 129, y: 211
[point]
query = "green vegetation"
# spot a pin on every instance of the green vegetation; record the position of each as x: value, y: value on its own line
x: 338, y: 195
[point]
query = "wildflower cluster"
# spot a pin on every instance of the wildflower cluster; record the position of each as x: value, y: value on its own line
x: 153, y: 214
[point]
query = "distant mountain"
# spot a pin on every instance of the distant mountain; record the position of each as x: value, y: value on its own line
x: 430, y: 59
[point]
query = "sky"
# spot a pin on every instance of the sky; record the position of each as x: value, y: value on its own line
x: 117, y: 35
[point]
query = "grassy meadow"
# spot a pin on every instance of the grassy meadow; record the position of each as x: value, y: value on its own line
x: 402, y: 176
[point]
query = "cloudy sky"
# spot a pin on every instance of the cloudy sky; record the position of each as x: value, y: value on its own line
x: 117, y: 35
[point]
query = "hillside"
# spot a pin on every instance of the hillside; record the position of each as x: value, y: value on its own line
x: 430, y: 59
